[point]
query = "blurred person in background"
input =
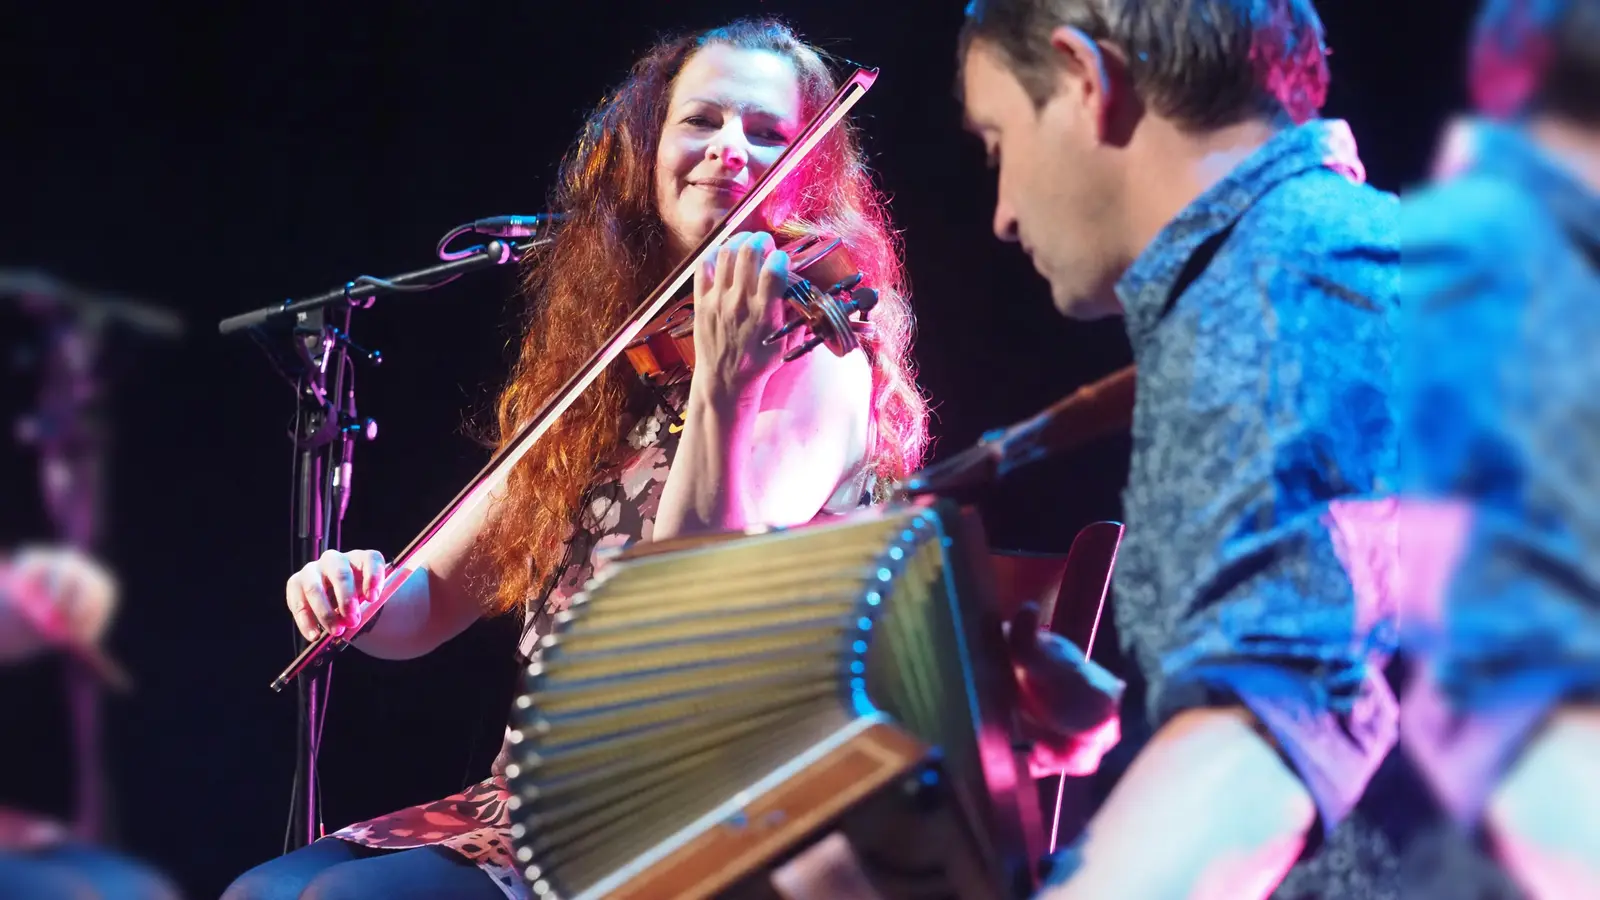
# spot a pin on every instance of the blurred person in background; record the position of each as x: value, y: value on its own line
x: 1500, y: 404
x: 51, y: 599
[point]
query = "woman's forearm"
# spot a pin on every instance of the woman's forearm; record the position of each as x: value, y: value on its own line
x: 705, y: 491
x: 770, y: 461
x: 404, y: 627
x: 438, y: 600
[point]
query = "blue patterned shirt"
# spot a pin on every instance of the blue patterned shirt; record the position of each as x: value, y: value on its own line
x: 1501, y: 398
x: 1261, y: 324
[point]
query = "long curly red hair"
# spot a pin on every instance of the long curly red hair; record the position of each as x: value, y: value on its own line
x: 611, y: 250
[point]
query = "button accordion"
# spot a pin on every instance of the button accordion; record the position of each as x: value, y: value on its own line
x: 709, y: 708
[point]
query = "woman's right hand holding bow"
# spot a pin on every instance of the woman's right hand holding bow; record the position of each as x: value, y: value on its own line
x: 334, y: 593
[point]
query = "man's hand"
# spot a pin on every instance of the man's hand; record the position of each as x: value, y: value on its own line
x: 1067, y: 705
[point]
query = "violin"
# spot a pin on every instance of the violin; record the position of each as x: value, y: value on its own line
x: 663, y: 353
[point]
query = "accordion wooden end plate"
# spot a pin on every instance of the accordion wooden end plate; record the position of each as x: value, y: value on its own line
x: 772, y: 822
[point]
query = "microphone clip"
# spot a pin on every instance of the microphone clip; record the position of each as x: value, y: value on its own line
x: 539, y: 227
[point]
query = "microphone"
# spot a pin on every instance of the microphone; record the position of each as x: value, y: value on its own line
x: 516, y: 226
x: 538, y: 227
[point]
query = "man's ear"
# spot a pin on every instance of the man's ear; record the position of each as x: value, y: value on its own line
x: 1081, y: 58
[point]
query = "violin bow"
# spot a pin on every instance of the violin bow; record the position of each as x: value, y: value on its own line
x: 475, y: 495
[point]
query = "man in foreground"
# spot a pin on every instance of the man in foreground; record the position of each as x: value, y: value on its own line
x: 1166, y: 164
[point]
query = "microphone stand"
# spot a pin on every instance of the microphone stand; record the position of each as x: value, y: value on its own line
x: 320, y: 366
x: 324, y: 447
x: 70, y: 428
x: 70, y: 432
x: 365, y: 289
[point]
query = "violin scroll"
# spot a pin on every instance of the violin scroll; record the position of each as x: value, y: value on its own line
x: 826, y: 313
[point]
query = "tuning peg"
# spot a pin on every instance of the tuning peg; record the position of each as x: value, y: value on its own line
x: 803, y: 349
x: 849, y: 284
x: 778, y: 335
x: 862, y: 300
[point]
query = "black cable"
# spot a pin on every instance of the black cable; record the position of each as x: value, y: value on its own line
x: 309, y: 728
x: 332, y: 531
x: 404, y: 288
x: 300, y: 711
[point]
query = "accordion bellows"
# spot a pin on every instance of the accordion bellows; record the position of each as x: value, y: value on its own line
x: 707, y: 708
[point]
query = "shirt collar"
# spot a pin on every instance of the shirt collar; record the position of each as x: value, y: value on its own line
x: 1321, y: 143
x: 1504, y: 150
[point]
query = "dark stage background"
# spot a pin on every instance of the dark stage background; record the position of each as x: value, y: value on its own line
x: 217, y: 158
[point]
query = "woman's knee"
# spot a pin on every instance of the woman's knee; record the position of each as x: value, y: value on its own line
x: 339, y: 884
x: 288, y: 876
x: 261, y: 883
x: 421, y: 872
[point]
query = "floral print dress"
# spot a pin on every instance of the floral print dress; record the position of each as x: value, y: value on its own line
x: 619, y: 509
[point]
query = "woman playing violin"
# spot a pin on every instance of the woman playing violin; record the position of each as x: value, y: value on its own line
x: 745, y: 440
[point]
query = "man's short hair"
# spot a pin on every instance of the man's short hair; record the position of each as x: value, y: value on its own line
x: 1538, y: 56
x: 1202, y: 63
